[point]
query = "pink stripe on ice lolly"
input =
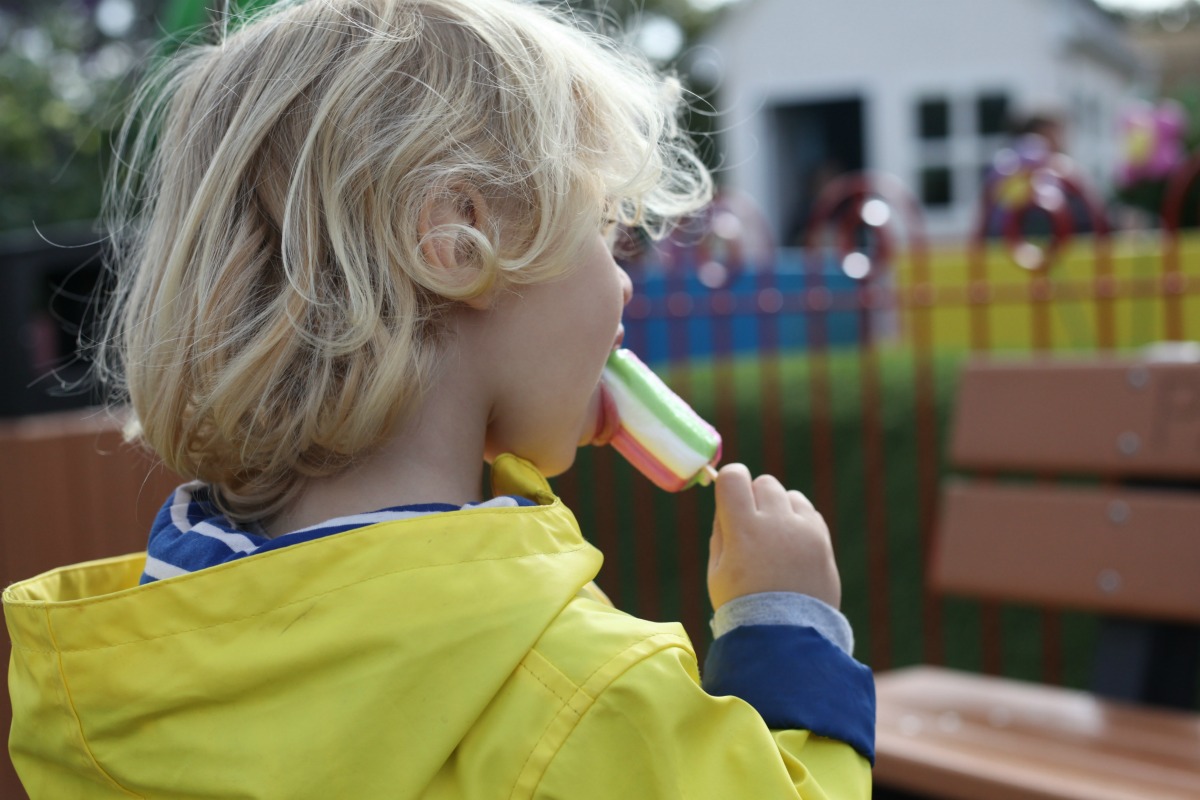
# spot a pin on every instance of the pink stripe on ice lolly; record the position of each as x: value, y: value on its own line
x: 645, y: 462
x: 653, y: 428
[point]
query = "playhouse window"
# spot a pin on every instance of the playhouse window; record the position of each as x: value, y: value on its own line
x: 933, y: 118
x: 937, y: 187
x: 991, y: 114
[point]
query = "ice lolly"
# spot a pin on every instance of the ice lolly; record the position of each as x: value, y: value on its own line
x: 653, y: 428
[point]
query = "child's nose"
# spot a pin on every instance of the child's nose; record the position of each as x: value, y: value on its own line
x: 626, y: 286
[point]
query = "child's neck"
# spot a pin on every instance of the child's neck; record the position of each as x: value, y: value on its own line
x: 435, y: 456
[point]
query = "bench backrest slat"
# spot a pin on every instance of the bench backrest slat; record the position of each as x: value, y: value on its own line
x: 1122, y: 551
x: 1116, y: 417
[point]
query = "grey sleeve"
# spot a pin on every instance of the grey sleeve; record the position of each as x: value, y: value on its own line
x: 785, y: 608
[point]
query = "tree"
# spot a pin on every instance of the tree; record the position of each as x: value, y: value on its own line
x: 63, y: 72
x: 66, y: 67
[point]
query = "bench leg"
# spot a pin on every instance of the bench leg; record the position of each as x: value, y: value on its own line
x: 1148, y: 662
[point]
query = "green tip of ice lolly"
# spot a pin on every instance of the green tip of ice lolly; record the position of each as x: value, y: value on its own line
x: 658, y: 432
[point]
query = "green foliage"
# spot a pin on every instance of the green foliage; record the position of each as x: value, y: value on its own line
x: 63, y: 84
x: 59, y: 80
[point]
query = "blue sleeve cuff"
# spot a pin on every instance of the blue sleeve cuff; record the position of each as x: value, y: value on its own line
x: 784, y: 608
x: 795, y: 678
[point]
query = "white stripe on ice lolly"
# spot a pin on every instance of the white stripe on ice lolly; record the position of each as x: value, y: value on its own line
x: 658, y: 432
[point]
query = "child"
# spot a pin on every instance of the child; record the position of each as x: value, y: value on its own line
x: 363, y: 253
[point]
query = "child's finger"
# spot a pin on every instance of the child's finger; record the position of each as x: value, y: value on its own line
x: 769, y: 495
x: 799, y: 502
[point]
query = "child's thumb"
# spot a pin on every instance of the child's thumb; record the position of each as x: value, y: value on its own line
x: 733, y: 493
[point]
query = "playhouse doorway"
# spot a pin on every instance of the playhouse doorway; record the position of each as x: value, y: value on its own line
x: 814, y: 142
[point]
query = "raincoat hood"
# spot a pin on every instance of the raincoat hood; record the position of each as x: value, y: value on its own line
x: 379, y: 645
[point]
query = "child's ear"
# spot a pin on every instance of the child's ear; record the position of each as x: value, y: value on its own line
x: 444, y: 213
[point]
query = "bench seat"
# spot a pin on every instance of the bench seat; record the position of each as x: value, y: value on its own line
x: 945, y: 733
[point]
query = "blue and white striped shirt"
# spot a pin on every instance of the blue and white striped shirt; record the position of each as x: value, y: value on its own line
x: 190, y: 534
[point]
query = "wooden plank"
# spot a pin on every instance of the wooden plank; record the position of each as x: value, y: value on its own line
x: 95, y: 490
x: 1115, y: 550
x: 40, y: 519
x: 63, y: 423
x: 10, y: 786
x: 968, y: 737
x: 130, y: 490
x: 1118, y: 417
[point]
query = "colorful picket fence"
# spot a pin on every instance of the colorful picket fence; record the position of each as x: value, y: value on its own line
x: 833, y: 368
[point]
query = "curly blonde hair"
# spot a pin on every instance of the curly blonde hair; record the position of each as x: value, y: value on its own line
x: 274, y: 313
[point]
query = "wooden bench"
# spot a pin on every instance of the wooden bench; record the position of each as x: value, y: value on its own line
x: 1125, y: 544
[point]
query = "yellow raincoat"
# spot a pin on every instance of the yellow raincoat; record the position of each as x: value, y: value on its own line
x: 455, y: 655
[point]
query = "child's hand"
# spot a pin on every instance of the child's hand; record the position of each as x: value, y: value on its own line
x: 768, y: 539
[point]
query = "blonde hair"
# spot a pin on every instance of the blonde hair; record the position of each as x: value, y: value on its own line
x: 274, y: 312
